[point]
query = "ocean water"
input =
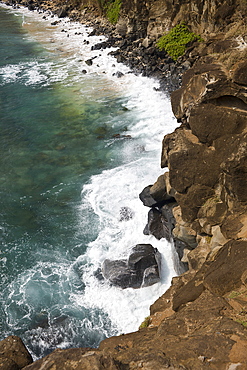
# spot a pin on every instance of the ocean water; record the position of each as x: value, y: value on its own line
x: 77, y: 144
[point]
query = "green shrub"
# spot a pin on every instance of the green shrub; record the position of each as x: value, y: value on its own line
x: 145, y: 323
x: 175, y: 41
x: 113, y: 10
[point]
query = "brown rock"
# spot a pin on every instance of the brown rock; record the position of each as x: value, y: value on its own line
x: 224, y: 273
x: 14, y: 350
x: 230, y: 119
x: 240, y: 74
x: 234, y: 226
x: 198, y: 256
x: 235, y: 171
x: 158, y: 190
x: 191, y: 202
x: 189, y: 161
x: 213, y: 210
x: 8, y: 364
x: 74, y: 358
x: 203, y: 82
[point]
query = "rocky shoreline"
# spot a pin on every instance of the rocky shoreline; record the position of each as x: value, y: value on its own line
x: 138, y: 53
x: 201, y: 201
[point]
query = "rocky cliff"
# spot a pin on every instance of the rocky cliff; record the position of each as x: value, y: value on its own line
x: 200, y: 322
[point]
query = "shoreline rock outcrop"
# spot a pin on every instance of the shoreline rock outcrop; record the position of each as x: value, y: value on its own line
x: 141, y: 269
x: 201, y: 202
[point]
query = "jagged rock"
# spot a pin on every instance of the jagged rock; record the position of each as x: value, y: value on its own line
x: 231, y: 257
x: 234, y: 226
x: 121, y: 27
x: 185, y: 234
x: 141, y: 269
x: 157, y: 225
x: 62, y: 12
x: 158, y: 190
x: 235, y: 170
x: 147, y: 198
x: 182, y: 230
x: 169, y: 189
x: 212, y: 212
x: 218, y: 238
x: 196, y: 257
x: 195, y: 197
x: 118, y: 273
x: 186, y: 155
x: 13, y: 354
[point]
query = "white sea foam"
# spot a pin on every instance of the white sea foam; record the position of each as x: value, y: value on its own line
x: 120, y: 187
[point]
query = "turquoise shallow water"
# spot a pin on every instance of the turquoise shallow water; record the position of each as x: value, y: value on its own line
x: 63, y: 131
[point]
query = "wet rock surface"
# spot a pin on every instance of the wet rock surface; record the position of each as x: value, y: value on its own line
x: 141, y: 269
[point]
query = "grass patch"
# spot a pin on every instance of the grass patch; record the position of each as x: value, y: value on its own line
x: 145, y: 323
x: 113, y: 11
x: 176, y: 40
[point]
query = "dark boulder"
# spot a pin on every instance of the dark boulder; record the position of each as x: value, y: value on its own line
x: 118, y: 273
x: 157, y: 225
x: 62, y: 12
x: 141, y: 269
x: 118, y: 74
x: 168, y: 216
x: 147, y: 199
x: 89, y: 62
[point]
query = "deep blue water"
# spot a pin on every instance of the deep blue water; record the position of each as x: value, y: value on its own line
x: 60, y: 163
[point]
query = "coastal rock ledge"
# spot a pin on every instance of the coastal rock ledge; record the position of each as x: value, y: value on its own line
x: 200, y: 322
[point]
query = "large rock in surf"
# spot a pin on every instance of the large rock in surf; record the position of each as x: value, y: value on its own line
x: 141, y: 269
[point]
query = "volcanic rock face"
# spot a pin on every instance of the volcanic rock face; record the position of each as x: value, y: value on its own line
x: 207, y: 155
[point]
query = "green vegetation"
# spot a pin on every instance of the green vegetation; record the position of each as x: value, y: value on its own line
x: 244, y: 323
x: 176, y: 40
x: 145, y: 323
x: 113, y: 10
x: 234, y: 294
